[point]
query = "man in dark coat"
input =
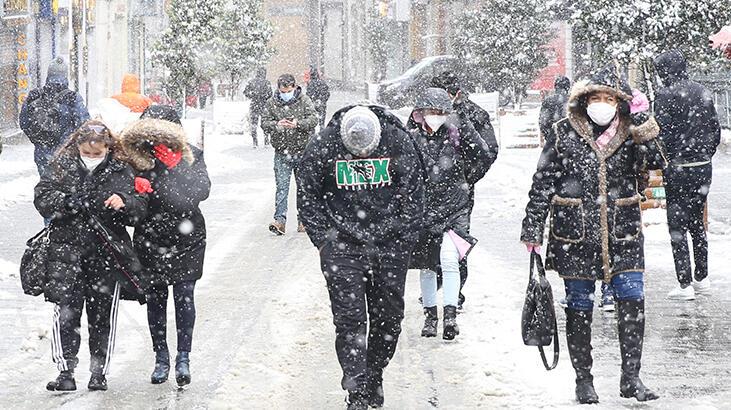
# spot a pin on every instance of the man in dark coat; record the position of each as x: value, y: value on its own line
x: 587, y: 181
x: 553, y: 108
x: 51, y: 113
x: 454, y: 157
x: 360, y: 197
x: 691, y: 133
x: 468, y: 110
x: 171, y: 241
x: 319, y: 93
x: 258, y: 91
x: 290, y: 120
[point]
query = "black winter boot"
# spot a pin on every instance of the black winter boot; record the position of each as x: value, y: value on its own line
x: 375, y: 388
x: 357, y: 400
x: 450, y: 323
x: 97, y: 382
x: 430, y: 322
x: 64, y: 382
x: 578, y: 340
x: 631, y: 325
x: 182, y: 368
x: 162, y: 367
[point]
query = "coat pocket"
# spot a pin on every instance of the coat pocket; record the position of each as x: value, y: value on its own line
x: 627, y: 218
x: 567, y: 219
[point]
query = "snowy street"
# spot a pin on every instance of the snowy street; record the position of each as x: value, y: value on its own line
x: 264, y: 337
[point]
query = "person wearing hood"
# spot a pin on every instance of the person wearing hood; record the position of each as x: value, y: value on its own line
x: 85, y: 180
x: 587, y: 185
x: 553, y: 108
x: 319, y: 93
x: 51, y: 113
x: 467, y: 110
x: 258, y: 91
x: 691, y: 133
x: 454, y: 156
x: 171, y: 241
x: 130, y: 96
x: 290, y: 120
x: 360, y: 198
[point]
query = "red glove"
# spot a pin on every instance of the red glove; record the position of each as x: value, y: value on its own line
x: 143, y: 186
x: 167, y: 156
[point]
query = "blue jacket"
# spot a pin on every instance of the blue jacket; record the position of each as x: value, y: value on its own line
x: 73, y: 114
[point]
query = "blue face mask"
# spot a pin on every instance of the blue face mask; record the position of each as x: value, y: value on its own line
x: 286, y: 96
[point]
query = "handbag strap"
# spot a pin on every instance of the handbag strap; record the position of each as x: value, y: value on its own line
x: 556, y: 350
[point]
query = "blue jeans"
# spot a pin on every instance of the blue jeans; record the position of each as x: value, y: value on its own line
x: 626, y: 286
x: 284, y: 166
x: 449, y: 260
x: 42, y: 156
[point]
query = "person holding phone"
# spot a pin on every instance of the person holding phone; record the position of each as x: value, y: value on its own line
x: 289, y: 119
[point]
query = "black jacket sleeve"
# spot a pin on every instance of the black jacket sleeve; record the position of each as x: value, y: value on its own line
x: 544, y: 187
x: 49, y: 196
x: 196, y: 183
x: 477, y: 154
x: 408, y: 167
x: 311, y: 195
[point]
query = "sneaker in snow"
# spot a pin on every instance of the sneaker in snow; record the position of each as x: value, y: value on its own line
x: 301, y: 228
x: 562, y: 303
x: 702, y: 287
x: 607, y: 303
x: 682, y: 293
x: 277, y: 228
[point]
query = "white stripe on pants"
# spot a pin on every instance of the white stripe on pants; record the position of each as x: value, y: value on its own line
x: 112, y: 328
x: 56, y: 345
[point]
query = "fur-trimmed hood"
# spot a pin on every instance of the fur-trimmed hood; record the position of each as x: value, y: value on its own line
x: 610, y: 80
x: 139, y: 138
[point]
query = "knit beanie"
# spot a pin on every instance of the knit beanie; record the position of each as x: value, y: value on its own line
x: 360, y: 131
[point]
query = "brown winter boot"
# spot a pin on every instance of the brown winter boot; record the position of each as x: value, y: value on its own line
x: 277, y: 228
x: 301, y: 228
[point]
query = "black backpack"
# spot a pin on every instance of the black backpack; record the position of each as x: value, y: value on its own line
x: 47, y: 114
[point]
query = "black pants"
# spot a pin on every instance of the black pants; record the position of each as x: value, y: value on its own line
x: 157, y: 301
x: 687, y: 190
x: 102, y: 305
x: 321, y: 114
x: 367, y: 297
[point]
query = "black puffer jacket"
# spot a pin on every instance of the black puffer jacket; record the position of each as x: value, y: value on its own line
x: 259, y: 91
x: 318, y: 91
x: 171, y: 241
x: 454, y: 158
x: 65, y: 193
x: 553, y: 108
x: 590, y: 194
x: 375, y: 201
x: 686, y: 113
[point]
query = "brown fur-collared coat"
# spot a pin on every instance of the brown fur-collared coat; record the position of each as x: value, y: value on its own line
x: 590, y: 195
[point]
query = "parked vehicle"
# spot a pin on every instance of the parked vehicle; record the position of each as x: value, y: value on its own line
x: 402, y: 90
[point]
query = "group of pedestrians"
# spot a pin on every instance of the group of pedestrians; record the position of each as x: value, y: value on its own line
x: 148, y: 178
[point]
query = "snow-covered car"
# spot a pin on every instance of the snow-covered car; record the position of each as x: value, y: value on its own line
x: 402, y: 90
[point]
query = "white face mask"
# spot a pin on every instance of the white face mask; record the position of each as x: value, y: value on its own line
x: 601, y: 113
x: 435, y: 121
x: 92, y: 163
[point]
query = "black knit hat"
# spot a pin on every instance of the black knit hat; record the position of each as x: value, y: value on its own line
x: 162, y: 112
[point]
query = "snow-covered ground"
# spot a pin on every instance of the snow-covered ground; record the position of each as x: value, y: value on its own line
x: 264, y: 337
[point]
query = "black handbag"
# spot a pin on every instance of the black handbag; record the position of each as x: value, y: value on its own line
x: 34, y: 264
x: 538, y: 322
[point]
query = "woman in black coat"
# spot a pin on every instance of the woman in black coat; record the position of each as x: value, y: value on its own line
x: 454, y: 157
x: 171, y: 241
x: 587, y: 182
x: 86, y: 179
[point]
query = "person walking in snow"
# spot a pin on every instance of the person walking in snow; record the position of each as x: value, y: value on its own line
x: 467, y: 110
x: 587, y: 183
x: 51, y: 114
x: 131, y: 96
x: 86, y: 178
x: 258, y: 91
x: 290, y: 120
x: 553, y: 108
x: 691, y: 134
x: 171, y: 241
x: 454, y: 157
x: 319, y: 93
x: 361, y: 198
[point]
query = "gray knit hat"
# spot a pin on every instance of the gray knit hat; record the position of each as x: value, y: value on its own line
x: 58, y: 71
x: 360, y: 131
